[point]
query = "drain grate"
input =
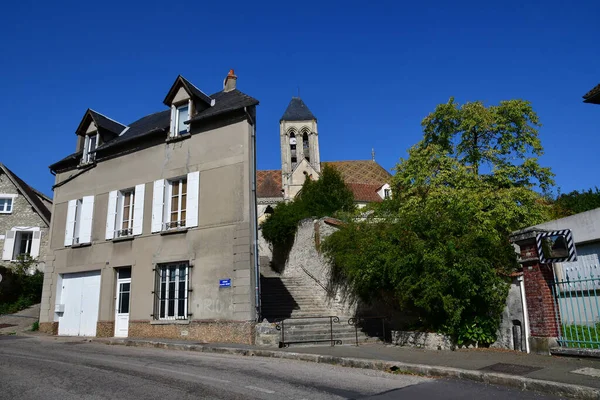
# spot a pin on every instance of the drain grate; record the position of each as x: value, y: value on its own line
x: 6, y: 325
x: 513, y: 369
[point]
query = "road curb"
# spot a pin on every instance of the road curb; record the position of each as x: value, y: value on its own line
x: 517, y: 382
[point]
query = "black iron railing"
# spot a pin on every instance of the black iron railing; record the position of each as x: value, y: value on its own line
x: 356, y: 321
x: 280, y: 326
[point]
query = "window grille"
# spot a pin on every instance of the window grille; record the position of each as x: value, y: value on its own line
x: 171, y: 288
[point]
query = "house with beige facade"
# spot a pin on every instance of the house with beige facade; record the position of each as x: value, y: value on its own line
x: 24, y: 220
x: 154, y: 222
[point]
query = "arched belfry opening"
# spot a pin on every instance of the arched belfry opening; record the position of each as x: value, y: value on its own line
x: 305, y: 146
x: 294, y: 155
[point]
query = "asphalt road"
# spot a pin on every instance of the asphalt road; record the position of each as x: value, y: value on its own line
x: 49, y: 368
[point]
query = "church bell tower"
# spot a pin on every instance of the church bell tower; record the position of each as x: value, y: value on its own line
x: 300, y: 158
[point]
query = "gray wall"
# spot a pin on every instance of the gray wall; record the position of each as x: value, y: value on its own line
x: 23, y: 214
x: 220, y: 247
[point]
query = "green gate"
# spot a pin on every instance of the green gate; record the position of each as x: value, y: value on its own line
x: 578, y: 300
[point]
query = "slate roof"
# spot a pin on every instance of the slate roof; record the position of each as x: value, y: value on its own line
x: 593, y: 96
x: 297, y: 111
x: 29, y: 193
x: 361, y: 171
x: 365, y: 192
x: 268, y: 183
x: 102, y: 121
x: 225, y: 102
x: 191, y: 89
x: 160, y: 121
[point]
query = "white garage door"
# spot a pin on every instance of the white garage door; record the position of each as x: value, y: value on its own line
x: 80, y: 296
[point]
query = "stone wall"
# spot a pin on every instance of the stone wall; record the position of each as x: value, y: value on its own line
x: 213, y: 331
x: 24, y: 215
x: 50, y: 328
x: 512, y: 317
x: 422, y: 340
x: 105, y: 329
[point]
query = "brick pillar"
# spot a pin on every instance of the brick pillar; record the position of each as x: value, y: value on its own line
x: 541, y: 305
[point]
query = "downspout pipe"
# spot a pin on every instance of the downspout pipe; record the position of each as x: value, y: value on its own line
x: 525, y: 312
x: 253, y: 214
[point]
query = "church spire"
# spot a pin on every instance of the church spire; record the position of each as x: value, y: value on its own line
x: 297, y: 111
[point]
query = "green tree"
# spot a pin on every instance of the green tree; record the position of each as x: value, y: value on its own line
x: 326, y: 196
x: 492, y: 137
x: 440, y: 248
x: 576, y: 202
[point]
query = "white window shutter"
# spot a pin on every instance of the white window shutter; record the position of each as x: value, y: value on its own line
x: 193, y: 189
x: 71, y: 213
x: 87, y: 214
x: 158, y: 199
x: 9, y: 244
x: 111, y: 215
x: 173, y: 129
x: 35, y: 244
x: 138, y: 209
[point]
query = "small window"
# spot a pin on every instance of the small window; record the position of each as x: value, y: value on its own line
x: 176, y: 203
x: 89, y: 148
x: 387, y: 193
x: 77, y: 222
x: 23, y: 241
x: 6, y: 205
x: 182, y: 116
x: 171, y: 291
x: 125, y: 203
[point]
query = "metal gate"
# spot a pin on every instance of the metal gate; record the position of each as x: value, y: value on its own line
x: 577, y: 293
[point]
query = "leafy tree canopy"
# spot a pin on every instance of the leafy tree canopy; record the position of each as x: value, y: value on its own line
x: 440, y: 248
x: 491, y: 138
x: 326, y: 196
x: 576, y: 202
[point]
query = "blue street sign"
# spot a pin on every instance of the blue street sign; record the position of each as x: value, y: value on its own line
x: 225, y: 283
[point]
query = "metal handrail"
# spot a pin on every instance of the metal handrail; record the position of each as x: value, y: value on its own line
x: 280, y: 326
x: 354, y: 321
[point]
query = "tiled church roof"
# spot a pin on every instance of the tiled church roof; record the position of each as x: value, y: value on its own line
x: 363, y: 177
x: 364, y: 192
x: 268, y: 183
x: 361, y: 171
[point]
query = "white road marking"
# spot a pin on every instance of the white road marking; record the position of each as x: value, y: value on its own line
x: 260, y: 389
x: 588, y: 371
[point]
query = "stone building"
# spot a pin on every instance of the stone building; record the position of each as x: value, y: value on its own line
x: 301, y: 158
x: 24, y: 219
x: 154, y: 226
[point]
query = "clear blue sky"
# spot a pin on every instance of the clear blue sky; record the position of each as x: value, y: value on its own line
x: 369, y: 71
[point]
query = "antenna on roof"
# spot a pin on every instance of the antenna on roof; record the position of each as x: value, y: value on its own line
x: 373, y: 154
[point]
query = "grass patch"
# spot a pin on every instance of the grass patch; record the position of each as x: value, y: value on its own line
x: 36, y: 326
x: 573, y: 335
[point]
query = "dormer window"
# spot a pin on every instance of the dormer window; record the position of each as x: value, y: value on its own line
x: 89, y: 148
x: 179, y: 114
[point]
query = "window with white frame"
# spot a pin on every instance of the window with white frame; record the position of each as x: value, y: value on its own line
x: 387, y: 193
x: 171, y: 291
x: 125, y: 212
x: 89, y: 147
x: 6, y: 204
x: 179, y: 114
x: 79, y: 221
x: 21, y: 241
x: 175, y: 203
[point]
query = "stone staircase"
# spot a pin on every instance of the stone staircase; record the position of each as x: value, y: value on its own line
x: 299, y: 302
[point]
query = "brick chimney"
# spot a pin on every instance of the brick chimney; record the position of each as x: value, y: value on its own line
x: 229, y: 82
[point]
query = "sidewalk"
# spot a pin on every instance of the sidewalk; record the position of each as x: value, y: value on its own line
x: 548, y: 374
x: 19, y: 322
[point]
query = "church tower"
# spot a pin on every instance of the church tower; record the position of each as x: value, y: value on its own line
x: 300, y: 158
